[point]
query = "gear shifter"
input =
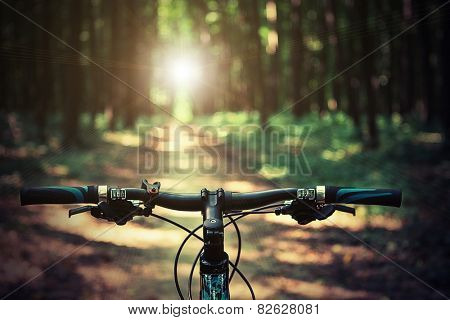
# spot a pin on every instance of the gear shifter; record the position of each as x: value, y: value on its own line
x: 117, y: 211
x: 305, y: 211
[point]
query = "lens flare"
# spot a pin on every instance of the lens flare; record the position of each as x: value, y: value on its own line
x: 185, y: 71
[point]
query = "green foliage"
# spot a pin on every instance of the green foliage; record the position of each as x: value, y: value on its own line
x: 336, y: 155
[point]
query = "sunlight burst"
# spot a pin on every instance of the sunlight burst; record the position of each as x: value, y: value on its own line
x: 185, y: 71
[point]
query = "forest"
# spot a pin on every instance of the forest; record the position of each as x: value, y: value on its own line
x: 264, y: 56
x: 368, y: 79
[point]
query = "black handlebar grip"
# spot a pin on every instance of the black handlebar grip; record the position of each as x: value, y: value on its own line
x: 58, y: 195
x: 367, y: 196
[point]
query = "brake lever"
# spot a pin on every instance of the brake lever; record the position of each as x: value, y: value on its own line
x: 339, y: 207
x: 328, y: 209
x: 75, y: 211
x: 324, y: 212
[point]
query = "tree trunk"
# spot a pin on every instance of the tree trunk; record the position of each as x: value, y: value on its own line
x: 95, y: 92
x: 133, y: 34
x: 369, y: 74
x: 116, y: 90
x: 427, y: 80
x: 297, y: 58
x: 407, y: 99
x: 323, y: 56
x: 257, y: 66
x: 273, y: 50
x: 338, y: 54
x: 350, y: 77
x: 46, y: 83
x: 73, y: 79
x: 445, y: 92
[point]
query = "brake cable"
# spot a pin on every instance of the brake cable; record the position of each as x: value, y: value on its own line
x: 191, y: 274
x: 274, y: 205
x: 238, y: 255
x: 236, y: 261
x: 99, y: 212
x: 177, y: 257
x: 241, y: 214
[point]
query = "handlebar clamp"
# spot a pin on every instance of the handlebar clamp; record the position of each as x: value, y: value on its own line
x: 153, y: 191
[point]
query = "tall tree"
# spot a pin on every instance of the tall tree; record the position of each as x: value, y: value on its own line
x: 116, y: 89
x: 146, y: 54
x: 297, y: 58
x: 351, y: 80
x: 428, y: 73
x: 254, y: 67
x: 225, y: 37
x: 322, y: 61
x: 132, y: 36
x: 45, y: 85
x: 141, y: 38
x: 445, y: 92
x: 407, y: 99
x: 336, y: 47
x: 369, y: 75
x: 6, y: 31
x: 95, y: 74
x: 73, y: 77
x: 273, y: 50
x: 204, y: 100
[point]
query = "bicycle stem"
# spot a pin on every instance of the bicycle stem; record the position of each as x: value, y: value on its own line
x: 214, y: 260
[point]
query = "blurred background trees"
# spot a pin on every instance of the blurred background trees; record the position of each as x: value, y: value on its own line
x: 257, y: 55
x: 366, y: 112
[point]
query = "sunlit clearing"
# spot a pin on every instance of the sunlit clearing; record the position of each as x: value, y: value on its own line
x: 185, y: 71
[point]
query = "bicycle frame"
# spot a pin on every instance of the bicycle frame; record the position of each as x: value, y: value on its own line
x: 214, y: 284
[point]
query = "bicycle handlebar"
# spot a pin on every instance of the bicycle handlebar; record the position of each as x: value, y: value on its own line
x: 58, y: 195
x: 193, y: 202
x: 367, y: 196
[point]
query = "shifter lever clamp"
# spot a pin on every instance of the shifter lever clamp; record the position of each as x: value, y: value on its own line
x: 153, y: 191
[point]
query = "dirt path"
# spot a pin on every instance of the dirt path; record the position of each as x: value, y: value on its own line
x: 282, y: 260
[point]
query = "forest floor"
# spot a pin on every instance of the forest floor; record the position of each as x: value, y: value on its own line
x: 45, y: 255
